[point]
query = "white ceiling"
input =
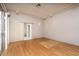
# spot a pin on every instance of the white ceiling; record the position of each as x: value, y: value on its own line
x: 45, y: 11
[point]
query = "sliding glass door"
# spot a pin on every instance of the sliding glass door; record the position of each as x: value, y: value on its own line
x: 2, y: 31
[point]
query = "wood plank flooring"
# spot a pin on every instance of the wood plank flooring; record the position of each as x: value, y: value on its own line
x: 35, y: 48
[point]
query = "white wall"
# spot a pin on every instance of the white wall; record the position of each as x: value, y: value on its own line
x: 16, y: 26
x: 64, y: 26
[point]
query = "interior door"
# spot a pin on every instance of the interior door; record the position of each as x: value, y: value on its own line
x: 27, y: 31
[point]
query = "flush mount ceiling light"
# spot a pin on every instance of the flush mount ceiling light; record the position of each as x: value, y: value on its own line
x: 38, y: 5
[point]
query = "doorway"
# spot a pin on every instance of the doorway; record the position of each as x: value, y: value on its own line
x: 27, y: 31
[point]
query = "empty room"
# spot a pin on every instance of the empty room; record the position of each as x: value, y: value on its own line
x: 39, y: 29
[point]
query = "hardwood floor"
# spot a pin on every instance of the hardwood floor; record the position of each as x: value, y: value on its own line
x: 36, y: 48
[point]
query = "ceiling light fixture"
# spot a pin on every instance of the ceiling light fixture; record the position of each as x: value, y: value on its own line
x: 38, y: 5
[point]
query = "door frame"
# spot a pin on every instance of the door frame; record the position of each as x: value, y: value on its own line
x: 27, y: 31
